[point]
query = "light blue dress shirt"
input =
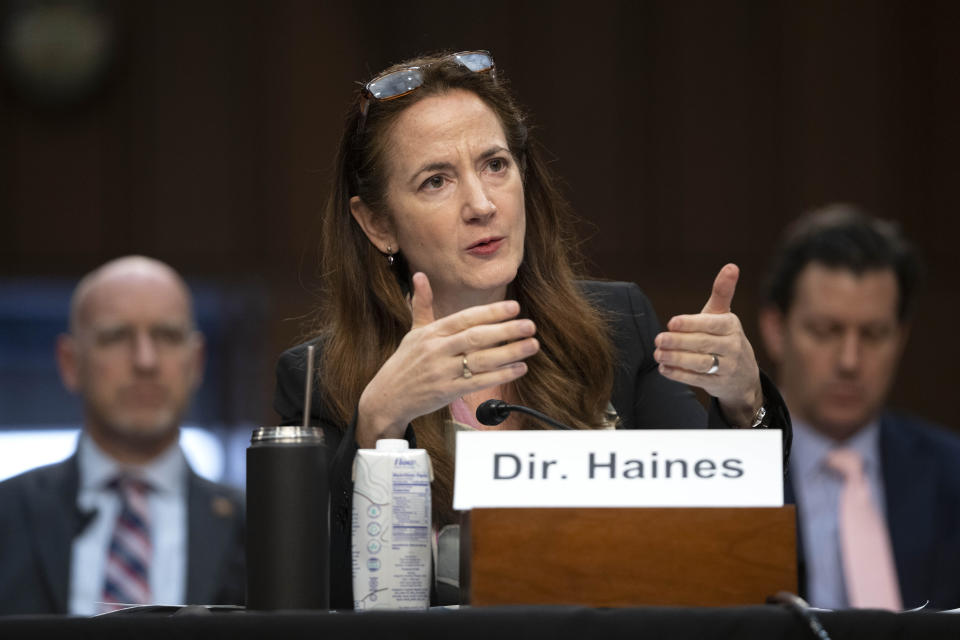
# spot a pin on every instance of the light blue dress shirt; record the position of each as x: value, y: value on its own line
x: 817, y: 489
x: 167, y: 475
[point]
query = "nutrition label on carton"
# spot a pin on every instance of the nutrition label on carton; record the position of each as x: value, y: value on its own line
x: 411, y: 507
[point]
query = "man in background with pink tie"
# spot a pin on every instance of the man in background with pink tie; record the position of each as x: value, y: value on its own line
x: 877, y: 494
x: 124, y: 520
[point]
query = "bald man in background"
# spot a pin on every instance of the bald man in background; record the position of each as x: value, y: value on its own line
x: 124, y: 520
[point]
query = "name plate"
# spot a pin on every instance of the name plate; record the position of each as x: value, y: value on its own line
x: 629, y: 468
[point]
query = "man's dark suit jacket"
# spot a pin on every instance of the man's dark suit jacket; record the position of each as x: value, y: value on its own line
x: 921, y: 478
x: 39, y: 519
x: 642, y: 397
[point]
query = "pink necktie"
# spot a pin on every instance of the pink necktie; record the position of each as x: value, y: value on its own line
x: 868, y: 567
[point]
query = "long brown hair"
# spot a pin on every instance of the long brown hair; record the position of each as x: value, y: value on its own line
x: 365, y: 313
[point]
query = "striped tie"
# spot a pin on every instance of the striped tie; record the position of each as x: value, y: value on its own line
x: 127, y: 578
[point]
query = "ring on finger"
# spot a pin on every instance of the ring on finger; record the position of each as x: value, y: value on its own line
x: 467, y: 373
x: 711, y: 371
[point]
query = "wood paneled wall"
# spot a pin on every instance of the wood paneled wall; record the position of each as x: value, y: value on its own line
x: 688, y: 134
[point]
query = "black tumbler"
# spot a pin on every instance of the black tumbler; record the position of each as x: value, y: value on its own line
x: 288, y: 521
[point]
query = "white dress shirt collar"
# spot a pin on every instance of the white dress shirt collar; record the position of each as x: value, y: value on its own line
x: 166, y: 474
x: 810, y: 448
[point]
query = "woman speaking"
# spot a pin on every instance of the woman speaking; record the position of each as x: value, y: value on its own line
x: 448, y: 280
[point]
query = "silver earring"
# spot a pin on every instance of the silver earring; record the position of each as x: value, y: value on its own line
x: 390, y: 258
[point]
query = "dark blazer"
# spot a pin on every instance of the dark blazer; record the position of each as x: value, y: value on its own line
x: 921, y: 478
x: 642, y: 397
x: 39, y: 519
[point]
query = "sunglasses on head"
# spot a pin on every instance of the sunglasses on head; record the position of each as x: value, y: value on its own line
x: 396, y: 84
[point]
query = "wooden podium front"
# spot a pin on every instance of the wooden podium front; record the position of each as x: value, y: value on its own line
x: 609, y: 557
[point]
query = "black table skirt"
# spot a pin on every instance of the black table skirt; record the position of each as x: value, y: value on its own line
x: 494, y: 623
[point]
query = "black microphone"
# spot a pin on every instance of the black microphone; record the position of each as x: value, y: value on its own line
x: 493, y: 412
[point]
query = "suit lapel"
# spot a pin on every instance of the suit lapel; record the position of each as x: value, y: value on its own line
x: 790, y: 497
x: 210, y: 518
x: 52, y: 514
x: 911, y: 489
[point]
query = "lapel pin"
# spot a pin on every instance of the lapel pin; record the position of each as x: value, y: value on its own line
x: 222, y: 507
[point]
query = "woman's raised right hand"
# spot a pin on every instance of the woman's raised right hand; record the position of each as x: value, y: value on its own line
x: 426, y: 371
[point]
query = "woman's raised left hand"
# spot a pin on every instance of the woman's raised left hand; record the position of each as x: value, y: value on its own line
x: 694, y: 343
